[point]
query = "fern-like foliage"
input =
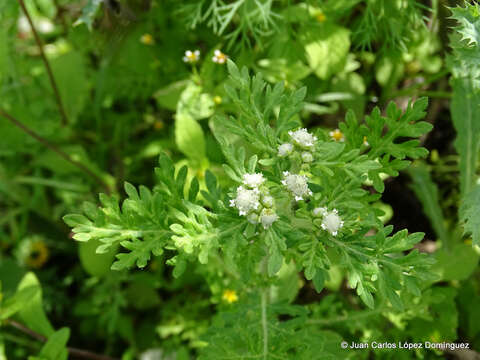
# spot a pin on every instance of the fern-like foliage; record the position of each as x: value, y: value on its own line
x: 465, y: 41
x: 235, y: 20
x: 253, y: 330
x: 306, y: 206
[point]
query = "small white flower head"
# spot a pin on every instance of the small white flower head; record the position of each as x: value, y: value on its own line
x: 285, y: 149
x: 332, y: 222
x: 191, y: 56
x: 297, y: 185
x: 302, y: 138
x: 246, y: 200
x: 268, y: 217
x: 267, y: 201
x: 320, y: 211
x: 337, y: 135
x: 307, y: 157
x: 253, y: 180
x: 219, y: 57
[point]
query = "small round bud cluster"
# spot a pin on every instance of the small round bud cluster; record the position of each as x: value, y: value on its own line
x: 302, y: 141
x: 297, y: 185
x: 285, y: 149
x: 307, y: 157
x: 267, y: 217
x: 254, y: 201
x: 331, y: 221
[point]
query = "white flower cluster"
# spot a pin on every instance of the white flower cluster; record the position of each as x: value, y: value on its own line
x: 297, y: 185
x: 254, y: 201
x: 331, y: 221
x: 301, y: 139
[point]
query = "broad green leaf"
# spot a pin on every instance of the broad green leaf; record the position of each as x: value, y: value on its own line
x: 194, y: 103
x: 17, y: 302
x: 288, y: 284
x: 189, y: 137
x: 56, y: 346
x: 326, y: 49
x: 96, y: 264
x: 33, y: 315
x: 457, y: 263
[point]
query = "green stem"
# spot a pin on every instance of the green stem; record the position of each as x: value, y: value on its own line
x: 263, y: 306
x: 264, y: 322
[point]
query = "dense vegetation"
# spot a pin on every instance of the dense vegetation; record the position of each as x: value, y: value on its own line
x: 275, y: 178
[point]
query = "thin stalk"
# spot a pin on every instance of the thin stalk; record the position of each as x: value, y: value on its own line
x: 58, y: 98
x: 75, y: 352
x: 264, y: 323
x: 263, y: 307
x: 55, y: 149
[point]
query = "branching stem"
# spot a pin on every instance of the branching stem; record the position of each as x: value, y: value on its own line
x: 54, y: 148
x: 78, y: 353
x: 58, y: 98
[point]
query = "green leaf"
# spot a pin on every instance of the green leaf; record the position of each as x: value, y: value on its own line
x: 193, y: 233
x: 32, y: 314
x: 194, y: 103
x: 427, y: 192
x: 139, y: 225
x: 17, y: 302
x: 253, y: 331
x: 189, y: 137
x: 93, y: 263
x: 326, y: 49
x: 456, y: 264
x: 56, y: 346
x: 470, y: 214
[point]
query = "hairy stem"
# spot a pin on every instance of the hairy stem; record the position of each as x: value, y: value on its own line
x: 55, y: 149
x: 58, y: 99
x: 74, y: 352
